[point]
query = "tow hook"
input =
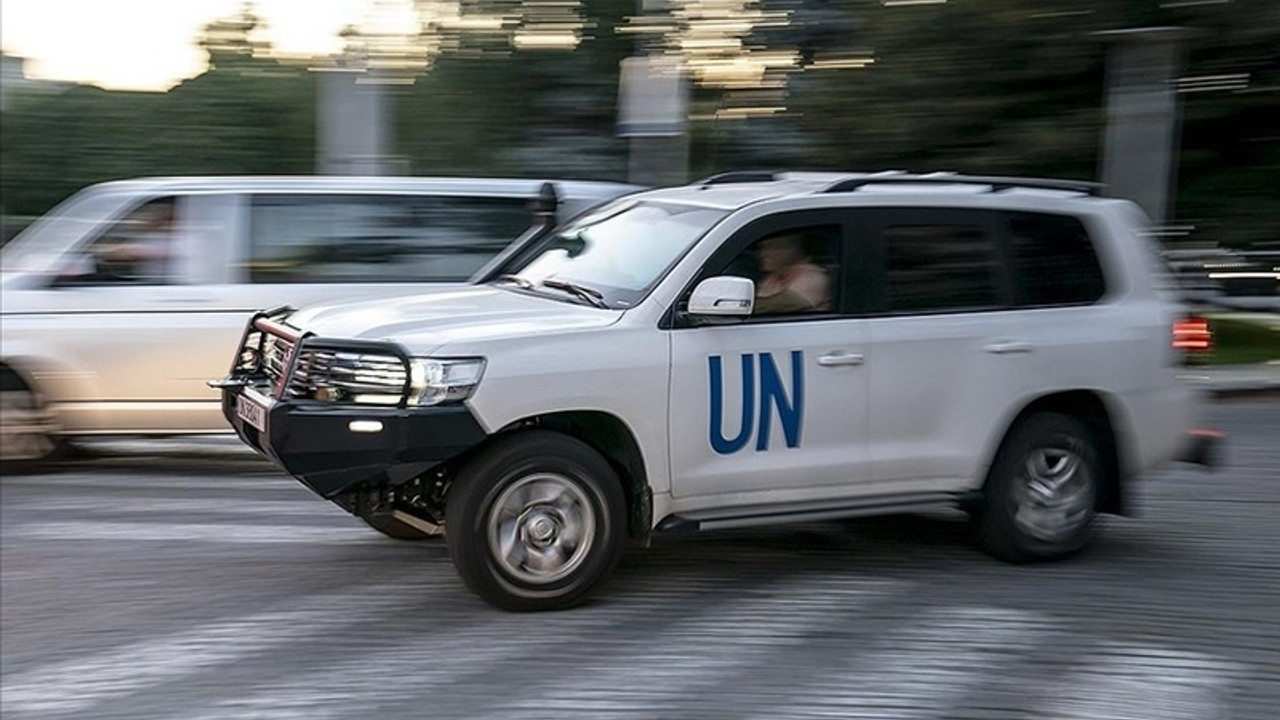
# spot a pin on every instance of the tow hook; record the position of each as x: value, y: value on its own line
x: 1204, y: 447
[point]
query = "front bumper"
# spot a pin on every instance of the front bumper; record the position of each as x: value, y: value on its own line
x: 271, y: 399
x: 334, y: 448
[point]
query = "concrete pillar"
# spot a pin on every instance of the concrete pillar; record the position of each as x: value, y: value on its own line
x: 653, y: 112
x: 1139, y: 157
x: 353, y: 127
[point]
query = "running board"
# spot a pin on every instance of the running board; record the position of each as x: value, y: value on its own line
x: 425, y: 527
x: 775, y: 514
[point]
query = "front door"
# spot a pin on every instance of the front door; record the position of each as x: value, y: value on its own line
x: 772, y: 408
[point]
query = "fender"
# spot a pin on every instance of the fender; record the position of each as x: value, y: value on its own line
x: 56, y: 380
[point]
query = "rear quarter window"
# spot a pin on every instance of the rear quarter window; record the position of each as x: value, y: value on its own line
x: 1054, y: 261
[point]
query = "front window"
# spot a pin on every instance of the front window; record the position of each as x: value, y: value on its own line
x: 43, y: 246
x: 612, y: 258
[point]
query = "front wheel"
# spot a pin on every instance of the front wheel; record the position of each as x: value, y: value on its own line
x: 536, y: 521
x: 1040, y: 498
x: 27, y: 428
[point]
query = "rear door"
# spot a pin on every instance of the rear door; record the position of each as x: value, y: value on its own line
x: 949, y: 353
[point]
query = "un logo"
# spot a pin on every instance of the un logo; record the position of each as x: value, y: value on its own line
x: 768, y: 394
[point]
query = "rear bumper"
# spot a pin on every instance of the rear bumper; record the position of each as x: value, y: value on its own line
x: 333, y: 448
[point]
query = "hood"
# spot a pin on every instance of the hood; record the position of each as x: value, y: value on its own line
x: 424, y: 323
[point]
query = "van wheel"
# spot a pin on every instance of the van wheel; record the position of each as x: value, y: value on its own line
x: 536, y: 521
x: 27, y: 428
x: 1042, y: 491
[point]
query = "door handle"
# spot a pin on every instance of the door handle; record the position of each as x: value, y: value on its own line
x: 1007, y: 347
x: 835, y: 359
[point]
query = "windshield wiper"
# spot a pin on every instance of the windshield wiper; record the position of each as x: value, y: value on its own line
x: 516, y: 280
x: 591, y: 295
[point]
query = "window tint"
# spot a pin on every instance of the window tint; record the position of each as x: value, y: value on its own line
x: 941, y: 267
x: 1053, y: 259
x: 140, y: 248
x: 378, y: 238
x: 795, y: 270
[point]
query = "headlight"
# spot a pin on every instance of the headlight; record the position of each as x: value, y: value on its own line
x: 441, y: 381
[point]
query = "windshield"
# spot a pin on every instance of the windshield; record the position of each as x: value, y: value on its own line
x: 616, y: 255
x: 41, y: 245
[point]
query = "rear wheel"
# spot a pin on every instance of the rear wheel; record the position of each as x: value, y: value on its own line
x: 27, y: 428
x: 536, y: 521
x: 1042, y: 491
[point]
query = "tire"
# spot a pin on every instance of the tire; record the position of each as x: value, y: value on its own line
x: 397, y: 529
x: 28, y: 432
x: 536, y: 522
x: 1040, y: 498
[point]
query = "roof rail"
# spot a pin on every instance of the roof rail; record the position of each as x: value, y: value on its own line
x: 997, y: 183
x: 738, y: 176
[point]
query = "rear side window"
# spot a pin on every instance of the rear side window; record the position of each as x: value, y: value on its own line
x: 1054, y: 262
x: 941, y: 268
x: 378, y: 238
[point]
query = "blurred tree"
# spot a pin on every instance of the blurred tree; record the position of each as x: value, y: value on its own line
x: 529, y: 87
x: 230, y: 41
x: 247, y: 114
x: 987, y: 86
x: 495, y: 104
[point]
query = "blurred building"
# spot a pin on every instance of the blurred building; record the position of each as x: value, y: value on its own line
x: 14, y: 81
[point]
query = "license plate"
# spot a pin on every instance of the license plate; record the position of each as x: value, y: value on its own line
x: 251, y: 411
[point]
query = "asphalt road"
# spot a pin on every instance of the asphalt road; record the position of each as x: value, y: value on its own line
x: 200, y: 583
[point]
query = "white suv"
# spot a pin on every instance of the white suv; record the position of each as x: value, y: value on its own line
x: 749, y: 349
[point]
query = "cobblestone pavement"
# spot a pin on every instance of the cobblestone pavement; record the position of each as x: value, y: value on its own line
x: 199, y: 583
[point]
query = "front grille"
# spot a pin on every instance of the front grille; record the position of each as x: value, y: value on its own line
x: 348, y: 377
x: 248, y: 360
x: 275, y: 357
x: 351, y: 371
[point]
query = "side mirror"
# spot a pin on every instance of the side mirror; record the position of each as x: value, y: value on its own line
x: 724, y: 295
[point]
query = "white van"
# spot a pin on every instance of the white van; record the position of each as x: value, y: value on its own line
x: 121, y: 302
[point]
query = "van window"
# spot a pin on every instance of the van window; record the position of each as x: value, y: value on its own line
x: 140, y: 248
x: 378, y: 238
x: 1054, y: 262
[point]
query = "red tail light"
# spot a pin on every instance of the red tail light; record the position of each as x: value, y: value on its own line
x: 1192, y: 334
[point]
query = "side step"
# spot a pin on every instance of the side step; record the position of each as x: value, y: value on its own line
x: 776, y: 514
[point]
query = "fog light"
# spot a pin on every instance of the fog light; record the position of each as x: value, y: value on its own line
x: 365, y: 426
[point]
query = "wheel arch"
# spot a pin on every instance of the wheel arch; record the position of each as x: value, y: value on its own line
x: 44, y: 371
x: 15, y: 375
x: 610, y: 436
x: 1100, y: 412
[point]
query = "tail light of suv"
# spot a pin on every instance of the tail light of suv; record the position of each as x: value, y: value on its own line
x: 1192, y: 339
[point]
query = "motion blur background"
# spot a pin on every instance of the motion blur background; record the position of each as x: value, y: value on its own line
x: 94, y: 91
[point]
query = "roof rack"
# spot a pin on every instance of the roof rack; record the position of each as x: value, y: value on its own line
x: 997, y: 183
x: 738, y: 176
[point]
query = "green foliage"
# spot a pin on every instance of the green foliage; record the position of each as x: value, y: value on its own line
x: 980, y: 86
x: 1240, y: 341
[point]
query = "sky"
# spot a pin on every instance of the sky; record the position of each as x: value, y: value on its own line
x: 151, y: 44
